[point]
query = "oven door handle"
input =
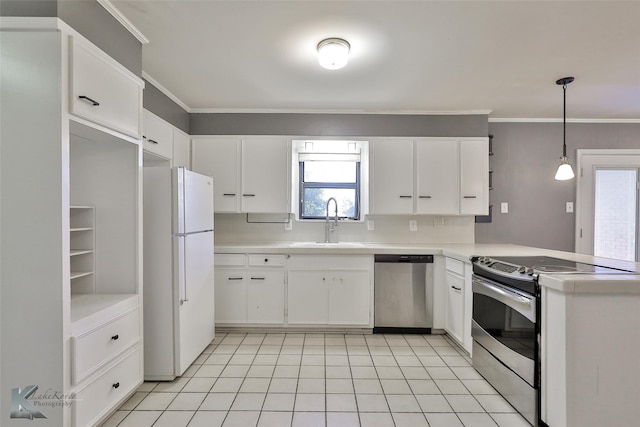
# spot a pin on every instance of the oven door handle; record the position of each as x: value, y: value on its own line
x: 522, y: 304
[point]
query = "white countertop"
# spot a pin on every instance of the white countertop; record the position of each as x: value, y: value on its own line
x: 569, y: 283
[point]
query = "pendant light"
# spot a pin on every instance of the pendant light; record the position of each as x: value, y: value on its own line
x: 565, y: 171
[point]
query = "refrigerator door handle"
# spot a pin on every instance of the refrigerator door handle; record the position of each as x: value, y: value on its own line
x: 182, y: 282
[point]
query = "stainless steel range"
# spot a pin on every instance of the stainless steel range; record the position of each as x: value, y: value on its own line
x: 506, y: 324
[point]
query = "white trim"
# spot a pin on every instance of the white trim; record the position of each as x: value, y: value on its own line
x: 559, y: 120
x: 300, y: 111
x: 123, y: 20
x: 164, y: 90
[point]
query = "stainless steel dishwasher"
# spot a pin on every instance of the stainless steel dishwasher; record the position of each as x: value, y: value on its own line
x: 403, y: 294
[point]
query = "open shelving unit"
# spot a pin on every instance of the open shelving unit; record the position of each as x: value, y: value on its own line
x: 82, y: 249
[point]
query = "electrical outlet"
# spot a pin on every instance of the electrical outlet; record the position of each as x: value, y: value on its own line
x: 413, y: 225
x: 439, y: 221
x: 504, y: 207
x: 370, y: 225
x: 569, y: 208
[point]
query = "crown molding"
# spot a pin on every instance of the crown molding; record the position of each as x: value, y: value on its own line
x: 123, y: 20
x: 559, y: 120
x: 164, y: 90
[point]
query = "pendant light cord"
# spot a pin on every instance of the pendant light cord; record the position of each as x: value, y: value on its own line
x: 564, y: 121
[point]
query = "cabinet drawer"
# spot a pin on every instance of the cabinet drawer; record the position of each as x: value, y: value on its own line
x: 266, y: 260
x: 103, y: 92
x: 92, y: 350
x: 100, y: 397
x: 234, y: 260
x: 158, y: 135
x: 455, y: 266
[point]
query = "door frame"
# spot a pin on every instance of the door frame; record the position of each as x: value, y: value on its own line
x: 584, y: 194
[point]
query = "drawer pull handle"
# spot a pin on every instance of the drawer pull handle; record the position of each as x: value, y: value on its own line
x: 152, y: 141
x: 470, y: 197
x: 406, y: 197
x: 89, y: 100
x: 116, y: 385
x: 425, y: 197
x: 115, y: 337
x: 456, y: 288
x: 248, y: 195
x: 257, y: 278
x: 229, y: 194
x: 235, y: 278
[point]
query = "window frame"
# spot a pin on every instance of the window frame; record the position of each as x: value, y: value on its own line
x: 302, y: 185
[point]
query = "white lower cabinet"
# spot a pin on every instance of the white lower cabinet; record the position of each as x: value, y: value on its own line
x: 458, y: 306
x: 230, y: 296
x: 330, y: 290
x: 249, y: 289
x: 265, y: 296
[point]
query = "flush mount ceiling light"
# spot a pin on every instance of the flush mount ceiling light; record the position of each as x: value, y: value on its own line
x: 565, y: 171
x: 333, y: 53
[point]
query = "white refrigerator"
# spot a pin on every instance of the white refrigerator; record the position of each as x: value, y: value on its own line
x: 178, y: 270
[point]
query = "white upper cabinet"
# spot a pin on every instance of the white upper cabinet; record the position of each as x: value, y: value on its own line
x: 474, y: 177
x: 181, y: 149
x: 437, y: 176
x: 157, y: 135
x: 103, y: 91
x: 219, y: 157
x: 250, y: 174
x: 265, y: 172
x: 430, y: 176
x: 392, y: 177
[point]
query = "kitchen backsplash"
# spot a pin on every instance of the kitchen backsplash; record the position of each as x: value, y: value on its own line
x: 243, y: 228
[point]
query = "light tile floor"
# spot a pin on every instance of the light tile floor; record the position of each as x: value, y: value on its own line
x: 333, y: 380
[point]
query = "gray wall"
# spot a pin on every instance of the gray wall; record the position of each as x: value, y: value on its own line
x: 338, y: 124
x: 525, y: 159
x: 163, y: 106
x: 89, y: 19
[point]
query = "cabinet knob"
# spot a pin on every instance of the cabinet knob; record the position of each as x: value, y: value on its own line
x: 116, y: 385
x: 115, y: 337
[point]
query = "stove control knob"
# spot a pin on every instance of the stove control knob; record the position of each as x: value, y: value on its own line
x: 530, y: 271
x: 522, y: 269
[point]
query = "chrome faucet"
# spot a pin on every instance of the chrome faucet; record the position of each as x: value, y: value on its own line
x: 328, y: 226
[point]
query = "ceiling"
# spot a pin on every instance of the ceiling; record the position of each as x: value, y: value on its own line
x: 496, y: 57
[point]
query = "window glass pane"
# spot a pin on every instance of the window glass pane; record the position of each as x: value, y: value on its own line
x: 328, y: 171
x: 615, y: 214
x: 315, y: 202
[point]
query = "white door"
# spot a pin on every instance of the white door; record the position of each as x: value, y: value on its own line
x: 437, y: 182
x: 392, y: 177
x: 195, y: 305
x: 219, y: 158
x: 607, y: 203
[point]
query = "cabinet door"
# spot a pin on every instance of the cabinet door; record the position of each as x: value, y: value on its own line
x: 392, y: 177
x: 103, y: 91
x: 158, y: 135
x: 454, y: 321
x: 180, y: 149
x: 265, y: 296
x: 349, y: 298
x: 218, y: 157
x: 265, y: 172
x: 474, y: 177
x: 230, y: 296
x: 308, y: 297
x: 437, y: 174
